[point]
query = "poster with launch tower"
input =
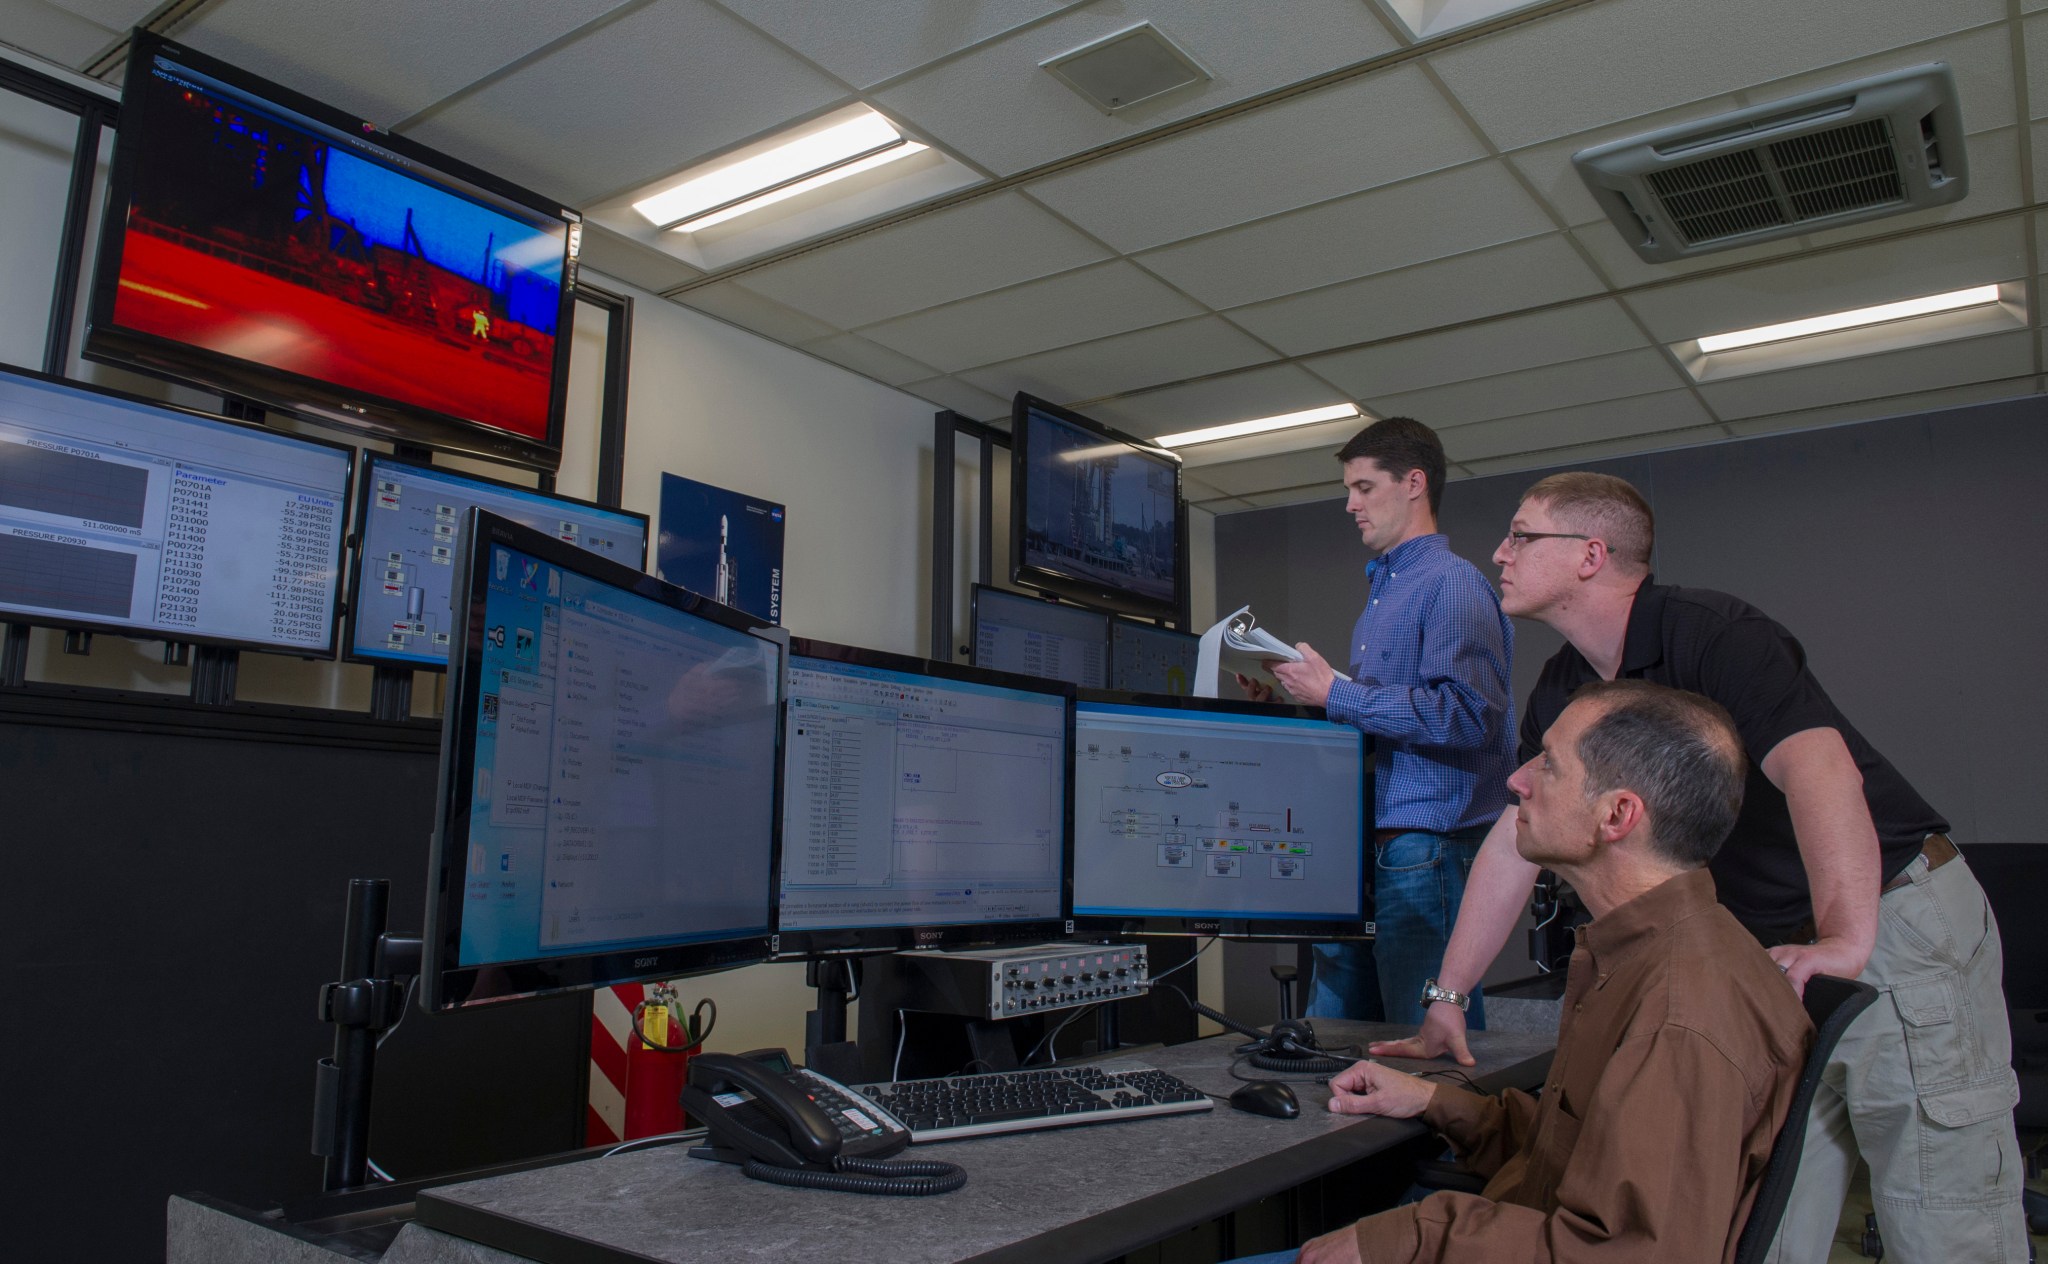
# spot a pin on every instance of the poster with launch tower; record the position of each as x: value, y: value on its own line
x: 721, y: 543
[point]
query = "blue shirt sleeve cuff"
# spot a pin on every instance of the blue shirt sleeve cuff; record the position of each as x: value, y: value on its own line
x: 1346, y: 701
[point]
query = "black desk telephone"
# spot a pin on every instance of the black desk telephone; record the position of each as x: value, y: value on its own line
x: 796, y: 1127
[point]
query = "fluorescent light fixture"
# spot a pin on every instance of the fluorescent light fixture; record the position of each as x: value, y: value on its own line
x: 797, y: 166
x: 1977, y: 296
x: 1259, y: 425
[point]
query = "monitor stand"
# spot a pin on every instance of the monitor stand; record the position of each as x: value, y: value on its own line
x: 376, y: 968
x: 826, y: 1048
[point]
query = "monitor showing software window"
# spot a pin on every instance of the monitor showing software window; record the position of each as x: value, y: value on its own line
x: 922, y: 803
x: 1215, y: 817
x: 607, y: 800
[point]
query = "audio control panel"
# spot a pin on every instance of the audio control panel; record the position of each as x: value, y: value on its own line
x: 1008, y: 982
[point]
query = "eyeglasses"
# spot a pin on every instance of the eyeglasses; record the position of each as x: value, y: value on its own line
x: 1516, y: 539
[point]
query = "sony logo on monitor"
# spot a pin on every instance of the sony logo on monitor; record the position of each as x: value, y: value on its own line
x: 929, y: 936
x: 646, y: 963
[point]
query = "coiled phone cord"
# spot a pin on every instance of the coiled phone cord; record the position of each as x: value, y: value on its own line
x: 912, y: 1178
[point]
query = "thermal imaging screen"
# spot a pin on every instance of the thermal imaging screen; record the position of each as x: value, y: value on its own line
x: 1148, y: 659
x: 411, y: 518
x: 1100, y: 510
x: 266, y: 237
x: 1028, y: 636
x: 913, y: 800
x: 625, y: 759
x: 1216, y: 814
x: 116, y: 513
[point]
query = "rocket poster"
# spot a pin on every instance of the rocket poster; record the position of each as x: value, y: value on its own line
x: 722, y: 544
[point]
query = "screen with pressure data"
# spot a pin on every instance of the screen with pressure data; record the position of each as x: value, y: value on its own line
x: 409, y: 520
x: 1183, y: 812
x: 1029, y: 636
x: 153, y: 521
x: 624, y: 770
x: 919, y: 800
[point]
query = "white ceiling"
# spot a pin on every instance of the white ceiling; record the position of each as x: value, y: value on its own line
x: 1339, y: 213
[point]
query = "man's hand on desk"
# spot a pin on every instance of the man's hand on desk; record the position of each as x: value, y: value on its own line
x: 1443, y: 1031
x: 1367, y: 1088
x: 1339, y: 1246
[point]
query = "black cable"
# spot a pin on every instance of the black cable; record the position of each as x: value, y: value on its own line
x: 912, y: 1178
x: 1052, y: 1035
x: 1289, y: 1046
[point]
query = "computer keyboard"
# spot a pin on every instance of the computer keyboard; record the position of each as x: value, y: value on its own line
x: 1041, y: 1097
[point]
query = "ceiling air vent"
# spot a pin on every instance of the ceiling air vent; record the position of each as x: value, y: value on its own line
x: 1879, y: 146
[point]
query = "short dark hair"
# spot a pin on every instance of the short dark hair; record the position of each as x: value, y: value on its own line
x: 1398, y: 445
x: 1602, y: 505
x: 1678, y: 751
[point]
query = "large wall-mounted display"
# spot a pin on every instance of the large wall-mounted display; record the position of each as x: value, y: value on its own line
x: 261, y: 243
x: 121, y: 515
x: 1097, y: 514
x: 407, y: 524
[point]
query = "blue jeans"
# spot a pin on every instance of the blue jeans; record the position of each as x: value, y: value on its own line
x: 1419, y: 882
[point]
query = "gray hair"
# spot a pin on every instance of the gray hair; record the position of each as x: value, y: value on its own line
x: 1677, y: 751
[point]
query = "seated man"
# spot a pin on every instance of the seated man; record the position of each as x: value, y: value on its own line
x: 1679, y: 1047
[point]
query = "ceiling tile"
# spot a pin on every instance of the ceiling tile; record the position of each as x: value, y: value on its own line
x: 1981, y: 60
x: 679, y: 81
x: 1641, y: 372
x: 874, y: 40
x: 1058, y: 311
x: 1992, y: 358
x: 1605, y: 450
x: 880, y: 363
x: 1431, y: 217
x: 116, y: 15
x: 1483, y: 350
x: 56, y: 34
x: 732, y: 302
x: 1810, y: 284
x: 607, y: 252
x: 1611, y: 61
x: 1262, y: 392
x: 390, y: 58
x: 1523, y: 274
x: 1586, y: 423
x: 981, y: 245
x: 1625, y: 269
x: 1371, y: 131
x: 994, y: 105
x: 1892, y: 406
x: 1127, y: 362
x: 975, y: 405
x: 1314, y: 473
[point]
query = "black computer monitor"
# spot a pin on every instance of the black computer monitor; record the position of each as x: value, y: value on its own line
x: 406, y: 524
x: 1198, y: 816
x: 1146, y: 658
x: 924, y: 804
x: 1096, y: 514
x: 1031, y: 636
x: 126, y: 516
x: 609, y: 763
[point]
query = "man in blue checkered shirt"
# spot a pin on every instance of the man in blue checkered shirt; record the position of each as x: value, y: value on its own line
x: 1430, y: 680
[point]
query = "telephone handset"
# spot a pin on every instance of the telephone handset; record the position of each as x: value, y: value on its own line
x: 800, y: 1128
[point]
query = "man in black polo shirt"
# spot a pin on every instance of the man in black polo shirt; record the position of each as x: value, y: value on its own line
x: 1836, y: 864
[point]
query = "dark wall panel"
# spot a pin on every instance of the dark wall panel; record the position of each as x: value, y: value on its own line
x: 178, y: 881
x: 1904, y: 553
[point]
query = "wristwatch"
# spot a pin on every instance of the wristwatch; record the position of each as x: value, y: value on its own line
x: 1431, y: 993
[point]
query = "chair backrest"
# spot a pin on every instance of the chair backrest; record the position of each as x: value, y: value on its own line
x: 1832, y: 1004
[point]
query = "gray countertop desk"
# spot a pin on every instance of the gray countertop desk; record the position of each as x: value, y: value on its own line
x: 1090, y: 1193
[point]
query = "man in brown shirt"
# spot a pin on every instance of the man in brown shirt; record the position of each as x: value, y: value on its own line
x: 1679, y: 1046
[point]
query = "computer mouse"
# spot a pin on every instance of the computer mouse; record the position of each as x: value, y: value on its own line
x: 1267, y: 1097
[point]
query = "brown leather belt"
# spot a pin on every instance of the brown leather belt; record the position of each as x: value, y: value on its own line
x: 1938, y: 849
x: 1388, y: 835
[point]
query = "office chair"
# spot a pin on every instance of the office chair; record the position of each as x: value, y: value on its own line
x: 1832, y: 1004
